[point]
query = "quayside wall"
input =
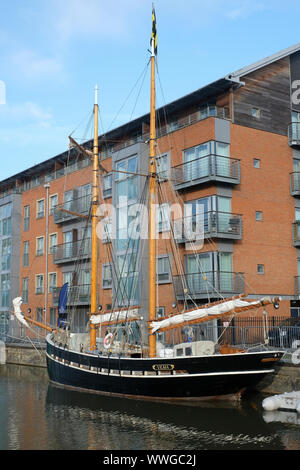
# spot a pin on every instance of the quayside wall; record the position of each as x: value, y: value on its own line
x: 285, y: 379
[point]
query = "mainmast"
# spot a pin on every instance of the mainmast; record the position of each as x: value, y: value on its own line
x: 152, y: 194
x: 94, y: 257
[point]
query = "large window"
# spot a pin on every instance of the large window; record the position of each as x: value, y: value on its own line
x: 163, y: 269
x: 40, y: 246
x: 39, y: 284
x: 26, y: 219
x: 207, y: 271
x: 6, y: 254
x: 26, y: 253
x: 25, y: 285
x: 40, y: 208
x: 206, y: 159
x: 53, y: 202
x: 127, y: 192
x: 52, y: 284
x: 5, y: 219
x: 106, y: 276
x: 5, y: 290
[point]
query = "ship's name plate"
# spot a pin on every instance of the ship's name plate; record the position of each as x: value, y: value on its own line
x: 163, y: 366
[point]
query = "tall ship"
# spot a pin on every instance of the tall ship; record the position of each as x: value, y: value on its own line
x: 122, y: 353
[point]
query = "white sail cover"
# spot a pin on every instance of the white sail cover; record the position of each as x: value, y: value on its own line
x: 218, y: 309
x: 122, y: 315
x: 17, y: 302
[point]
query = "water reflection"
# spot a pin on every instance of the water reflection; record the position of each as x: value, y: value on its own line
x: 37, y: 415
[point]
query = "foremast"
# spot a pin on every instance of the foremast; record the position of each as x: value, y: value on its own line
x: 152, y: 195
x: 94, y: 241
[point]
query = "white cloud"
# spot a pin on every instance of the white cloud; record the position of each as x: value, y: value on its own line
x: 243, y: 9
x: 77, y: 18
x: 28, y: 111
x: 33, y: 66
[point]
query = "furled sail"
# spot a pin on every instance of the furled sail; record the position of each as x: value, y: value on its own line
x: 209, y: 312
x: 116, y: 317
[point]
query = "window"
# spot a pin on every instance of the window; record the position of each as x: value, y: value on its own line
x: 256, y: 113
x: 256, y: 162
x: 106, y: 276
x: 39, y: 314
x: 52, y: 242
x: 163, y: 217
x: 39, y: 283
x: 163, y: 167
x: 126, y: 179
x: 53, y: 202
x: 6, y: 254
x: 26, y: 253
x: 107, y: 230
x: 163, y: 269
x: 25, y: 290
x: 5, y: 219
x: 26, y: 218
x: 40, y: 208
x: 258, y: 216
x: 52, y: 316
x: 107, y: 185
x: 39, y: 246
x: 52, y: 282
x: 160, y: 335
x: 68, y: 277
x: 260, y: 269
x: 4, y: 290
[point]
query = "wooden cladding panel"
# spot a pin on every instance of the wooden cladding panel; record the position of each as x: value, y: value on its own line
x: 267, y: 89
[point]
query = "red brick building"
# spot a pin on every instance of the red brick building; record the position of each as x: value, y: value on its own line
x: 231, y: 148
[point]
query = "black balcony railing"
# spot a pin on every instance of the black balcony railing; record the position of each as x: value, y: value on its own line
x: 296, y: 233
x: 72, y: 209
x: 294, y: 134
x: 77, y: 295
x: 66, y: 252
x: 204, y: 169
x: 208, y: 284
x: 215, y: 225
x: 295, y: 183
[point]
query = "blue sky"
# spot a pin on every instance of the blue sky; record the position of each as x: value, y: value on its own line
x: 53, y: 52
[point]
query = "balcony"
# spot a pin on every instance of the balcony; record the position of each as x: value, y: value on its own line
x: 295, y: 183
x: 206, y: 169
x: 216, y: 225
x: 208, y: 285
x: 294, y: 134
x: 77, y: 295
x: 296, y: 233
x: 73, y: 251
x: 297, y: 286
x: 72, y: 209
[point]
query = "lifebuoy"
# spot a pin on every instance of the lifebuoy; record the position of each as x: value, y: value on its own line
x: 108, y: 340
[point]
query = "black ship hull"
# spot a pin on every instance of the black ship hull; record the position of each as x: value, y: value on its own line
x: 179, y: 378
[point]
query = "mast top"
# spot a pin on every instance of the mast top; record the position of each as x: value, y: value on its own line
x: 96, y: 94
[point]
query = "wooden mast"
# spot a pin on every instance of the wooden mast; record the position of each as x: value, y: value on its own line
x: 152, y: 196
x: 94, y: 257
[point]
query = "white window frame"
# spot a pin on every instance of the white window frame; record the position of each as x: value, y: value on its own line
x: 37, y: 251
x: 39, y: 289
x: 40, y: 214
